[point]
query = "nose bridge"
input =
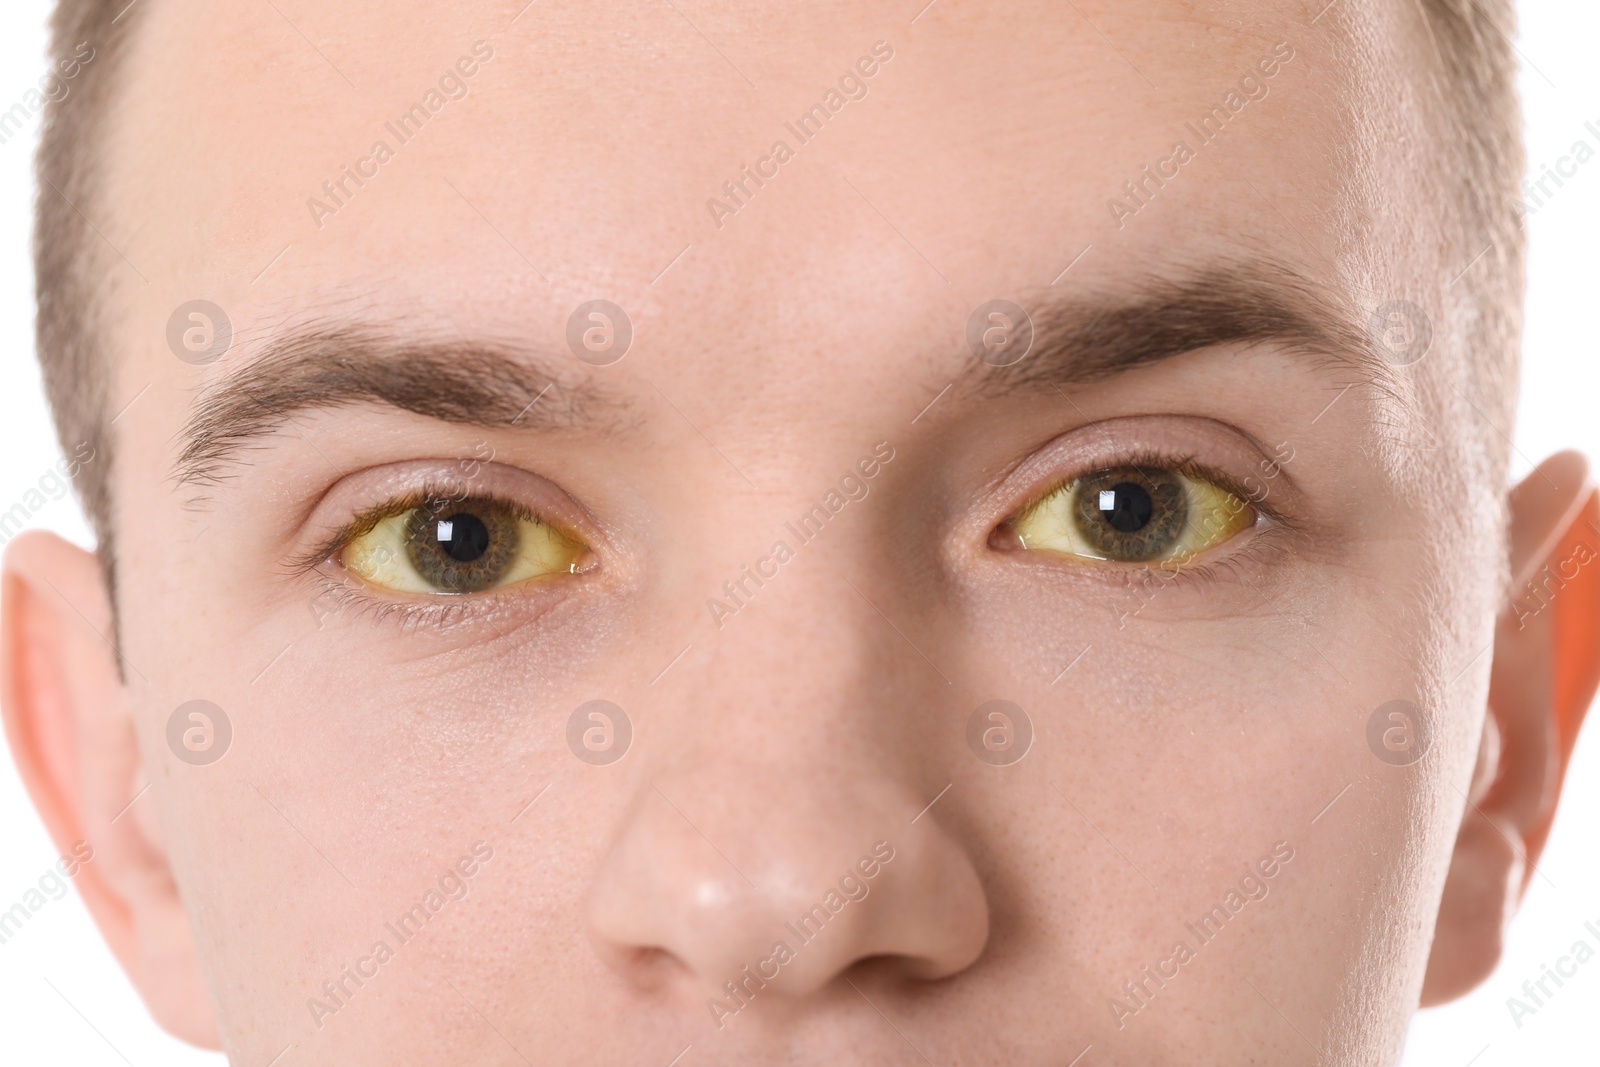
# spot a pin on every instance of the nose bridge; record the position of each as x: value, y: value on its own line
x: 809, y: 650
x: 775, y: 830
x: 813, y: 659
x: 792, y: 754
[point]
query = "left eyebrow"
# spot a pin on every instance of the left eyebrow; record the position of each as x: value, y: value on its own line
x: 1084, y: 339
x: 329, y: 365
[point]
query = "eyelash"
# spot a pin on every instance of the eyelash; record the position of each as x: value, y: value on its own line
x: 1263, y: 542
x: 448, y: 611
x: 443, y: 612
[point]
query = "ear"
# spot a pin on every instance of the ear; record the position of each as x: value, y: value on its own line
x: 1545, y: 670
x: 67, y: 720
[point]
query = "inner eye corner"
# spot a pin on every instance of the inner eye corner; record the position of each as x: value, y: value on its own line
x: 1003, y: 537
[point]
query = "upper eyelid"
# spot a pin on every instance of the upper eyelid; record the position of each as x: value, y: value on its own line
x: 1232, y: 453
x: 1183, y: 463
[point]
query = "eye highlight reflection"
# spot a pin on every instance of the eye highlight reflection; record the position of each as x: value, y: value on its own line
x: 457, y: 546
x: 1134, y: 514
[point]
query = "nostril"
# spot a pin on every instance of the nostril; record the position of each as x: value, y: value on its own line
x: 914, y: 969
x: 646, y: 968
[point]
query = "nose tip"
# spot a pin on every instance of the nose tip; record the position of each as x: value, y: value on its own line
x: 918, y: 903
x: 742, y: 916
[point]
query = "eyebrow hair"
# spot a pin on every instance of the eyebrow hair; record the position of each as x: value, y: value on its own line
x: 1080, y: 339
x: 321, y: 366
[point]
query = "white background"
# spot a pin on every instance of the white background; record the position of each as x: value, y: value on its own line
x: 92, y: 1015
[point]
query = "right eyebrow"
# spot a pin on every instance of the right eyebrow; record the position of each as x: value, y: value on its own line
x: 322, y: 366
x: 1083, y: 339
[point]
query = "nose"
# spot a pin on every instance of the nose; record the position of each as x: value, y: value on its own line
x: 774, y: 850
x: 804, y: 901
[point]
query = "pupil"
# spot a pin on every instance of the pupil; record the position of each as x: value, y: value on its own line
x: 463, y: 536
x: 1130, y: 507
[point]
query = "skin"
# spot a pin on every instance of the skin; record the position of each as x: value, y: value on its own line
x: 1224, y: 717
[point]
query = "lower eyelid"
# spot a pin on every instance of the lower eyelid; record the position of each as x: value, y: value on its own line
x: 1244, y: 562
x: 342, y: 598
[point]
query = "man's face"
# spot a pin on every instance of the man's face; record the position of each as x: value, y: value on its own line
x: 788, y: 532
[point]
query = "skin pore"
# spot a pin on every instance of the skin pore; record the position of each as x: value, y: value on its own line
x: 1193, y: 727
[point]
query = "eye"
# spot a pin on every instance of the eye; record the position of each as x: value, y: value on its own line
x: 1134, y: 514
x: 457, y: 546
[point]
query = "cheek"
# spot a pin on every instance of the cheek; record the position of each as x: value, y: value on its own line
x: 1200, y: 731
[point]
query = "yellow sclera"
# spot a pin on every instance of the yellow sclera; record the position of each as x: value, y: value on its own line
x: 396, y: 554
x: 1186, y: 516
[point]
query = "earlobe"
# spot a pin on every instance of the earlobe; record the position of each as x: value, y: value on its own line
x: 1545, y: 671
x: 70, y: 732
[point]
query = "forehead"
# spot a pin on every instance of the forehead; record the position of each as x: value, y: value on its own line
x: 488, y: 170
